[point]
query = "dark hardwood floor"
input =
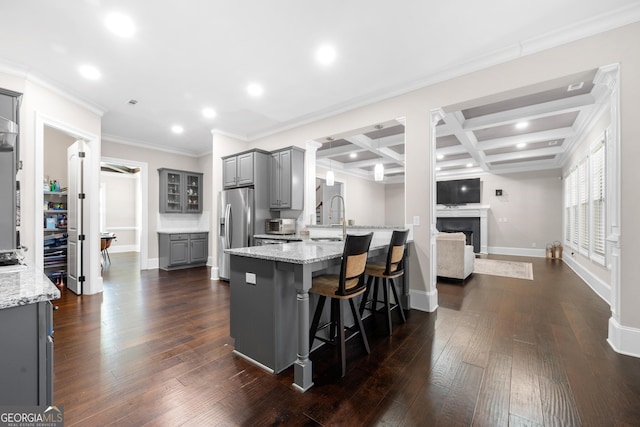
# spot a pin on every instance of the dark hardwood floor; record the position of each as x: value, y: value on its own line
x: 154, y: 349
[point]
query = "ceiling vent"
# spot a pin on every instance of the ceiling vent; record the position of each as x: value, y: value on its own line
x: 132, y: 102
x: 575, y: 86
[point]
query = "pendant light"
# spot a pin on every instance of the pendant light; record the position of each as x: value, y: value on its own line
x: 330, y: 178
x: 378, y: 170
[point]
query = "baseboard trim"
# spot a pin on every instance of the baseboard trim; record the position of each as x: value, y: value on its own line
x: 124, y: 248
x: 215, y: 273
x: 153, y: 263
x: 623, y: 339
x: 602, y: 289
x: 424, y: 301
x: 499, y: 250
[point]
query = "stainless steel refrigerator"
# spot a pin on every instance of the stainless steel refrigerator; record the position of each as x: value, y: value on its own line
x: 236, y: 222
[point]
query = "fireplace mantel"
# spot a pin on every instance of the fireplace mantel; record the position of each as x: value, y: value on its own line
x: 469, y: 211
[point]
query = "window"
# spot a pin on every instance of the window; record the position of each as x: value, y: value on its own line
x: 597, y: 166
x: 584, y: 204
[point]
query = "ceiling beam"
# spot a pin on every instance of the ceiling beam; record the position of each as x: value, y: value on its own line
x: 530, y: 112
x: 547, y: 135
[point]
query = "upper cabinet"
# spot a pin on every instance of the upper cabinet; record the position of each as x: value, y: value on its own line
x: 286, y: 177
x: 241, y: 170
x: 180, y: 191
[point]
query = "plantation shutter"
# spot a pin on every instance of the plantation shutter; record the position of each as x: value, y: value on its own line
x: 583, y: 208
x: 567, y: 208
x: 597, y: 165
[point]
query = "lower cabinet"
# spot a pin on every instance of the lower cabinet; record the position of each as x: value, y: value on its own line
x: 182, y: 250
x: 26, y: 357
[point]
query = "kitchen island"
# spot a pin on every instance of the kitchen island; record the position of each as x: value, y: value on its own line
x: 26, y: 361
x: 270, y: 303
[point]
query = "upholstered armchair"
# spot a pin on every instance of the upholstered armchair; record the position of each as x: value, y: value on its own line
x: 455, y: 257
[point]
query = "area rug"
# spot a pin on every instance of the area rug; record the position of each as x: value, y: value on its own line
x: 494, y: 267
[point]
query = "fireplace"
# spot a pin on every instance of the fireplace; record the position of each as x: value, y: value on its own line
x: 469, y: 226
x: 468, y: 219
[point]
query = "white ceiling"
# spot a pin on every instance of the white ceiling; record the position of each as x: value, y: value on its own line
x: 188, y: 55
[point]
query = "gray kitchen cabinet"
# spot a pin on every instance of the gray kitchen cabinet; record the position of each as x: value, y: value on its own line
x: 182, y: 250
x: 180, y: 191
x: 240, y: 170
x: 286, y: 178
x: 26, y: 359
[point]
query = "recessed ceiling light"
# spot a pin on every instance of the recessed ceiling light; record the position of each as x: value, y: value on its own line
x: 521, y: 145
x: 353, y: 155
x: 120, y: 24
x: 209, y: 113
x: 522, y: 125
x: 177, y: 129
x: 440, y: 156
x: 326, y: 54
x: 469, y: 165
x: 254, y: 89
x: 89, y: 72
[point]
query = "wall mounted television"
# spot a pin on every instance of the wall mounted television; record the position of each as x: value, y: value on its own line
x: 458, y: 192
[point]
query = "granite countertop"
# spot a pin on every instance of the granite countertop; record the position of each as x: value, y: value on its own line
x: 178, y: 231
x: 26, y: 286
x: 359, y: 227
x: 278, y: 236
x: 305, y: 252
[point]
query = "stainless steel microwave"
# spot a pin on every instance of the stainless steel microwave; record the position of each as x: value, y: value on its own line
x: 280, y: 226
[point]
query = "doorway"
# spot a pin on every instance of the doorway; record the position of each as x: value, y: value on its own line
x: 124, y: 184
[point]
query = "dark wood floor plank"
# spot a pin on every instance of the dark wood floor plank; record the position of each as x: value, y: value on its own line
x: 525, y: 386
x: 459, y: 405
x: 492, y: 408
x: 154, y: 349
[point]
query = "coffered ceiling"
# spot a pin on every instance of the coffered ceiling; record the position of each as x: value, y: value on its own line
x: 533, y: 128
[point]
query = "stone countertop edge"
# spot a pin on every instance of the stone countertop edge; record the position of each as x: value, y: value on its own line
x: 359, y: 227
x: 28, y: 286
x: 177, y: 231
x: 278, y: 236
x: 305, y: 252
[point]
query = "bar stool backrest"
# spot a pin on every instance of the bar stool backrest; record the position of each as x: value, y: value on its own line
x: 354, y: 261
x: 395, y: 256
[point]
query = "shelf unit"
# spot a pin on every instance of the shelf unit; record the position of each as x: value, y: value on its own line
x: 180, y: 191
x: 55, y: 236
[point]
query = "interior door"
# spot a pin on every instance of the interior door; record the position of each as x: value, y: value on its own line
x: 76, y: 154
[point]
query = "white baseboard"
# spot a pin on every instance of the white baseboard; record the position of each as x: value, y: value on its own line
x: 623, y: 339
x: 424, y: 301
x: 124, y: 248
x: 533, y: 252
x: 602, y: 289
x: 153, y: 263
x: 215, y: 273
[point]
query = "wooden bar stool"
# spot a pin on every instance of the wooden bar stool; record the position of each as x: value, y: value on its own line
x: 345, y: 286
x: 392, y: 269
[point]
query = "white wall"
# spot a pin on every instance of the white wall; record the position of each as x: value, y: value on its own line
x: 121, y: 201
x: 394, y: 204
x: 528, y: 215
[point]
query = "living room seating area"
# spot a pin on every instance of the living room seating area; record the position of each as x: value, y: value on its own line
x: 455, y: 257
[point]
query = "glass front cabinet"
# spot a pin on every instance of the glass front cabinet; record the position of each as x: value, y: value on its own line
x: 180, y: 191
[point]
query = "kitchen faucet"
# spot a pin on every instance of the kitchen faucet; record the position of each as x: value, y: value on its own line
x: 344, y: 221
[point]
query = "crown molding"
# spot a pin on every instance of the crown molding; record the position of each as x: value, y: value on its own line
x: 147, y: 146
x: 21, y: 72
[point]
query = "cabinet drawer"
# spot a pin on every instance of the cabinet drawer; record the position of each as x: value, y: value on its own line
x: 194, y: 236
x: 175, y: 237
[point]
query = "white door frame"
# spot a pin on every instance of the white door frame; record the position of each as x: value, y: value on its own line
x: 144, y: 200
x: 93, y: 283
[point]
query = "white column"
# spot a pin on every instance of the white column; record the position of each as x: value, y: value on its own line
x: 309, y: 215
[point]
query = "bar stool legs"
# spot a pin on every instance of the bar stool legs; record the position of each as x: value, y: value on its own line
x: 387, y: 305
